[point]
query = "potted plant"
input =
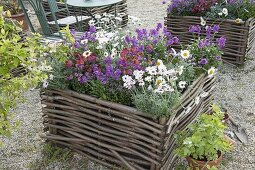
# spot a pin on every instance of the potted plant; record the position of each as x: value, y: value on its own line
x: 236, y: 17
x: 13, y: 81
x: 203, y: 143
x: 12, y: 10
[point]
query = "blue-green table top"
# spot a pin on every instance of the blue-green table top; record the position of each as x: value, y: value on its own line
x: 91, y: 3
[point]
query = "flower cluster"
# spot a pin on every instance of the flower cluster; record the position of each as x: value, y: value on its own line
x: 230, y: 9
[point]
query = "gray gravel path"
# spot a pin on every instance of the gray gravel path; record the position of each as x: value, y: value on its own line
x: 235, y: 90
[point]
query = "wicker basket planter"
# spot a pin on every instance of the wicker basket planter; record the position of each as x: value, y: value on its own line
x: 240, y: 36
x: 115, y: 135
x: 121, y: 7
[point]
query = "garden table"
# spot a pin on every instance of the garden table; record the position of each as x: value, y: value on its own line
x: 88, y: 4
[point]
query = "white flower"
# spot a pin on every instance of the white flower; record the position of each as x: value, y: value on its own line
x: 162, y: 70
x: 106, y: 54
x: 91, y: 22
x: 182, y: 84
x: 87, y: 53
x: 138, y: 74
x: 170, y: 72
x: 150, y: 87
x: 197, y: 100
x: 126, y: 78
x: 148, y: 79
x: 159, y: 63
x: 211, y: 72
x: 185, y: 54
x: 204, y: 94
x: 203, y: 22
x: 167, y: 88
x: 51, y: 77
x: 174, y: 78
x: 238, y: 20
x: 141, y: 83
x: 45, y: 84
x: 159, y: 90
x: 173, y: 52
x: 225, y: 11
x: 220, y: 14
x: 84, y: 41
x: 160, y: 80
x: 152, y: 70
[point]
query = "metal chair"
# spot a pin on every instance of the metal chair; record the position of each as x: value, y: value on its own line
x: 57, y: 22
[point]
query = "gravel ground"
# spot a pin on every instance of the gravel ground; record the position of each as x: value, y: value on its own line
x: 235, y: 91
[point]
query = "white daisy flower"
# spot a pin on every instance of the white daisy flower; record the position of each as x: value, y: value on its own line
x: 45, y: 84
x: 203, y: 22
x: 106, y: 54
x: 211, y: 72
x: 141, y: 83
x: 84, y: 41
x: 182, y: 84
x: 160, y: 80
x: 138, y: 74
x: 220, y: 13
x: 87, y: 53
x: 225, y: 11
x: 185, y: 54
x: 151, y: 70
x: 238, y: 20
x: 148, y: 79
x: 150, y: 87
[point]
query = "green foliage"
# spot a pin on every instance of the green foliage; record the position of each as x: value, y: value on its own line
x: 155, y: 104
x: 204, y: 139
x: 20, y: 69
x: 11, y: 5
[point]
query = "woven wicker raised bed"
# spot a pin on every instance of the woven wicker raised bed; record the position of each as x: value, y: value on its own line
x: 121, y: 7
x: 115, y: 135
x: 240, y: 36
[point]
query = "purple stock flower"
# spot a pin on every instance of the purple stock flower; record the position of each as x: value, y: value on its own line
x: 203, y: 61
x: 216, y: 28
x: 154, y: 33
x: 196, y: 29
x: 108, y: 60
x: 109, y: 71
x: 166, y: 33
x: 175, y: 40
x: 83, y: 79
x: 221, y: 42
x: 70, y: 77
x: 92, y: 29
x: 72, y: 31
x: 117, y: 74
x: 203, y: 43
x: 208, y: 31
x: 127, y: 39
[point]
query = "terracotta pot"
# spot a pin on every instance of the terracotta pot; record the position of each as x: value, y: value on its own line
x: 19, y: 17
x: 202, y: 165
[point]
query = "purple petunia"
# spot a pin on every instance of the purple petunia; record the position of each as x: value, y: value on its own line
x: 203, y: 61
x: 221, y: 42
x: 196, y: 29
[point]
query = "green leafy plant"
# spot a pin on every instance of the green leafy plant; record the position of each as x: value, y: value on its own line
x: 12, y: 6
x: 20, y: 68
x: 203, y: 140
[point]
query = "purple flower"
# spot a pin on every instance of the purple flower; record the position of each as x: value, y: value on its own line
x: 83, y: 79
x: 117, y: 74
x: 127, y: 39
x: 166, y: 33
x: 203, y: 61
x: 159, y: 26
x: 154, y: 33
x: 203, y: 43
x: 77, y: 44
x: 208, y: 31
x: 216, y: 28
x: 72, y: 31
x: 92, y: 29
x: 221, y: 42
x: 70, y: 77
x: 109, y: 71
x: 196, y: 29
x: 218, y: 58
x: 108, y: 60
x: 175, y: 40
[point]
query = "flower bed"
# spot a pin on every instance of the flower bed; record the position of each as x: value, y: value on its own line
x: 240, y: 36
x: 236, y: 19
x: 120, y: 99
x: 117, y: 135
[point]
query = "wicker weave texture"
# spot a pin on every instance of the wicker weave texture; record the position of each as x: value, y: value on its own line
x: 240, y: 36
x: 115, y: 135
